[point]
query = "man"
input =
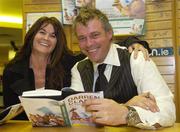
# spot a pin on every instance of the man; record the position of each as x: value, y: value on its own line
x: 134, y: 91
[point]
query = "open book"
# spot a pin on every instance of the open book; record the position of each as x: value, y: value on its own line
x: 10, y: 112
x: 58, y: 109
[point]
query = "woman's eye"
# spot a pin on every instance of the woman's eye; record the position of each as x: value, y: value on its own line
x: 42, y: 32
x: 53, y: 35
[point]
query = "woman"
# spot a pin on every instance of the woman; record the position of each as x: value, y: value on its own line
x: 44, y: 62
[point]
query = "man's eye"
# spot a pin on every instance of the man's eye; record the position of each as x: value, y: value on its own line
x: 96, y: 35
x: 82, y: 38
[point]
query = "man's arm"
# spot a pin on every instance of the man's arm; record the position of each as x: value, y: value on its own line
x: 76, y: 82
x: 145, y: 100
x: 148, y: 79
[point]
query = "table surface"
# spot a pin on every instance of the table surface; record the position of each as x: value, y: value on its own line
x: 25, y: 126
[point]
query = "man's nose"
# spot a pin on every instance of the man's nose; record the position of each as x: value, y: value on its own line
x: 89, y: 41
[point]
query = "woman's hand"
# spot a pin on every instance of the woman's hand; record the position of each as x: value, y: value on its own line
x: 145, y: 101
x: 136, y: 48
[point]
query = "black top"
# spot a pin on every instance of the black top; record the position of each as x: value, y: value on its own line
x: 18, y: 78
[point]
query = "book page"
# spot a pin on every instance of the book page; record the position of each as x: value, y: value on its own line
x: 77, y: 113
x: 43, y: 111
x: 44, y: 92
x: 10, y: 112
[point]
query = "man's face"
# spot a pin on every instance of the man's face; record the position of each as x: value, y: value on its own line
x: 94, y: 41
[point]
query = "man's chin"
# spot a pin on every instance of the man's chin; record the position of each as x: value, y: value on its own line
x: 94, y: 60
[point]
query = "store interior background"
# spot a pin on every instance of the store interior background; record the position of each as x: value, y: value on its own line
x: 162, y: 23
x: 10, y: 31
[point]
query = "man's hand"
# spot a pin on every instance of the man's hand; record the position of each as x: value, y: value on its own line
x: 138, y: 47
x: 145, y: 101
x: 106, y: 111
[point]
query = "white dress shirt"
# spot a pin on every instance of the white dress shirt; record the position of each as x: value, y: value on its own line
x: 147, y: 79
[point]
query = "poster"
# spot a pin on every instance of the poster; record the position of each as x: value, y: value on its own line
x: 32, y: 17
x: 126, y: 16
x: 81, y: 3
x: 69, y: 11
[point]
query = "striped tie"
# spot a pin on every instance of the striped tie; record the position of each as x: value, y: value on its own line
x: 101, y: 82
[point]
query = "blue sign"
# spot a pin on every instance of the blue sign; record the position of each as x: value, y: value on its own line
x: 166, y: 51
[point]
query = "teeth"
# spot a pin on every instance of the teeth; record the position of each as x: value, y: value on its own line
x: 44, y: 44
x: 92, y: 50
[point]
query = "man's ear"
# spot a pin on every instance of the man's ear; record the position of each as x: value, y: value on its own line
x: 110, y: 34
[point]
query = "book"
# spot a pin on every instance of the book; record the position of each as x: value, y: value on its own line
x: 10, y: 112
x: 63, y: 108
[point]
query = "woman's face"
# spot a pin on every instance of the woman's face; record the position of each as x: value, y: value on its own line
x: 45, y: 40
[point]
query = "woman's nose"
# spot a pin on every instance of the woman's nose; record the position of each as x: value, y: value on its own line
x: 46, y: 36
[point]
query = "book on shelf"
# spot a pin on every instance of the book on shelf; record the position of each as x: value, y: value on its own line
x: 10, y: 112
x: 57, y: 108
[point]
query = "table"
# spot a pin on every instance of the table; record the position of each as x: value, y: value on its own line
x: 25, y: 126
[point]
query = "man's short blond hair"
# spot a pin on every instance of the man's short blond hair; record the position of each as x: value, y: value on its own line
x: 88, y: 13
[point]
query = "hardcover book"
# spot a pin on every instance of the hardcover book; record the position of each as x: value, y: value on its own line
x: 60, y: 109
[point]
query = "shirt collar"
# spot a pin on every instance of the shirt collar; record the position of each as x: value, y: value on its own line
x: 112, y: 57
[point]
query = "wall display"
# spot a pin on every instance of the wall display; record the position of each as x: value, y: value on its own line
x: 32, y: 17
x: 69, y: 11
x: 126, y: 16
x: 80, y: 3
x: 166, y: 51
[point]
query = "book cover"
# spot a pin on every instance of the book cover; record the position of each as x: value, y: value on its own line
x: 137, y: 27
x: 64, y: 111
x: 77, y: 113
x: 10, y: 112
x: 69, y: 11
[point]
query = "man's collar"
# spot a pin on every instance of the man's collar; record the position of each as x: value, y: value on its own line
x: 112, y: 56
